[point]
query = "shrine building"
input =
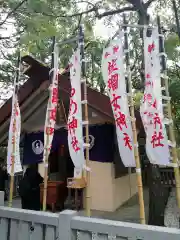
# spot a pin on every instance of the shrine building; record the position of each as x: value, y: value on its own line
x: 111, y: 186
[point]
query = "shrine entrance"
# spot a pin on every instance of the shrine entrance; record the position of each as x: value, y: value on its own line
x: 60, y: 169
x: 60, y: 164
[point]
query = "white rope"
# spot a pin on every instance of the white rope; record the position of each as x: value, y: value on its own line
x: 84, y: 102
x: 138, y: 170
x: 167, y: 121
x: 171, y: 144
x: 85, y: 122
x: 86, y: 145
x: 166, y: 98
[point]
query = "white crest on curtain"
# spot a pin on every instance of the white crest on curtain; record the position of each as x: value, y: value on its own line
x: 14, y: 136
x: 151, y: 109
x: 114, y: 77
x: 37, y: 147
x: 51, y: 107
x: 75, y: 132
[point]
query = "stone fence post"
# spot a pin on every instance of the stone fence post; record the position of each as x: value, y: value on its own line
x: 1, y: 198
x: 65, y: 231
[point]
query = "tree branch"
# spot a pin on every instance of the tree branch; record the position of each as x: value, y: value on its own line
x: 121, y: 10
x: 79, y: 22
x: 13, y: 11
x: 89, y: 3
x: 93, y: 9
x: 149, y: 3
x: 2, y: 38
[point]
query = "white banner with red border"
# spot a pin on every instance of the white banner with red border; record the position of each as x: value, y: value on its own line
x: 114, y: 77
x: 13, y: 150
x: 75, y: 130
x: 151, y: 109
x: 51, y: 106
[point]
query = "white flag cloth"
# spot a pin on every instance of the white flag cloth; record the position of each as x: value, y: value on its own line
x: 114, y: 78
x: 75, y: 132
x: 157, y: 148
x: 51, y: 108
x: 13, y: 150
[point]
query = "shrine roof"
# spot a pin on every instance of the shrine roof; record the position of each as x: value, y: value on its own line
x: 38, y: 82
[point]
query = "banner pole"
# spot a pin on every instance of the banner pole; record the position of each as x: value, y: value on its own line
x: 88, y: 194
x: 45, y: 176
x: 47, y: 133
x: 16, y: 82
x: 169, y: 113
x: 12, y: 166
x: 176, y: 17
x: 136, y: 152
x: 129, y: 173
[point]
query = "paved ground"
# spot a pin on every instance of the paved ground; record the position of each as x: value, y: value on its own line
x: 16, y: 203
x: 129, y: 212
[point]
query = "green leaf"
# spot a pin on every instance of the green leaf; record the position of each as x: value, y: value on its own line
x: 171, y: 44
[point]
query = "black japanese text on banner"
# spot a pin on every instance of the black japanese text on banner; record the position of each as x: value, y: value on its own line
x: 75, y: 133
x: 114, y: 77
x: 151, y: 105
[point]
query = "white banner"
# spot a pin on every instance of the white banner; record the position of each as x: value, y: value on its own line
x: 151, y: 106
x: 114, y: 78
x: 13, y: 151
x: 51, y: 107
x: 75, y: 132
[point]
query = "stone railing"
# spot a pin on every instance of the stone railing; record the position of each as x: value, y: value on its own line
x: 18, y: 224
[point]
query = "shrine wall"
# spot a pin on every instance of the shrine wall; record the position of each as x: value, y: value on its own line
x: 107, y: 192
x: 101, y: 186
x: 41, y: 169
x: 124, y: 188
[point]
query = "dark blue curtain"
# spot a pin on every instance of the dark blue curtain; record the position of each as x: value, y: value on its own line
x: 102, y: 150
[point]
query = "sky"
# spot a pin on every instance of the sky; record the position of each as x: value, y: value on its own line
x: 100, y: 30
x: 8, y: 29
